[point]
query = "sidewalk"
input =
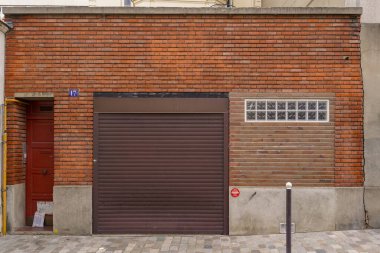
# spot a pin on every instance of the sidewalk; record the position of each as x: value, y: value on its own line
x: 340, y: 241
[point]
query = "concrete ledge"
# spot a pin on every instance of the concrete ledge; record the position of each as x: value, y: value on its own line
x: 72, y: 213
x: 34, y: 95
x: 172, y: 10
x: 260, y: 210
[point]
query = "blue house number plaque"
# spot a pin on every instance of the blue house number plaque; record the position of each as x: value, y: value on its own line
x: 73, y: 92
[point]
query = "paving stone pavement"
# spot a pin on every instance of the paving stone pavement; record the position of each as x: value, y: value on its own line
x: 355, y: 241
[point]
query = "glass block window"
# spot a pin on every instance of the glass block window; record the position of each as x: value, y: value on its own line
x: 290, y: 110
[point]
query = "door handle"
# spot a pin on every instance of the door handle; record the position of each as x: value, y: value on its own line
x: 44, y: 171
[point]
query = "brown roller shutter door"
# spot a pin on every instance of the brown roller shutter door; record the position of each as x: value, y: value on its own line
x: 160, y: 173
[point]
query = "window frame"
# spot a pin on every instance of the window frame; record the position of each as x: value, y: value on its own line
x: 286, y: 120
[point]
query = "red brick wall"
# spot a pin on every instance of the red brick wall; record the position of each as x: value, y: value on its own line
x: 191, y: 53
x: 16, y: 130
x: 264, y: 153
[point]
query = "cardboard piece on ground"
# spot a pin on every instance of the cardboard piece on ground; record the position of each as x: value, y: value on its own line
x: 38, y: 221
x: 45, y: 207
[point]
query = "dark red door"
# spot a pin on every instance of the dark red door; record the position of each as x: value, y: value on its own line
x: 40, y: 156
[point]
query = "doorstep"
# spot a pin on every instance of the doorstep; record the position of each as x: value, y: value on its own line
x: 28, y: 230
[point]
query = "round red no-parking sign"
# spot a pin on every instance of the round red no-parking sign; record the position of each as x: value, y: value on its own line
x: 235, y: 192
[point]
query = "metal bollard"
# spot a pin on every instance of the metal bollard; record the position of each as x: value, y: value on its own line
x: 288, y: 217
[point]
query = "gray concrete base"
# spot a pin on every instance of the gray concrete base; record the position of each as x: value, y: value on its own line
x: 372, y: 205
x: 260, y: 210
x: 349, y: 213
x: 72, y: 212
x: 15, y: 206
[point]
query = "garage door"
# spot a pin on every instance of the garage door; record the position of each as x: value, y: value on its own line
x: 160, y: 173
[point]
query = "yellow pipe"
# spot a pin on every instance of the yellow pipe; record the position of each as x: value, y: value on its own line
x: 4, y: 176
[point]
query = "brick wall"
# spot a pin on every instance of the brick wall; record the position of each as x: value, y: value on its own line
x: 191, y: 53
x: 16, y: 130
x: 264, y: 153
